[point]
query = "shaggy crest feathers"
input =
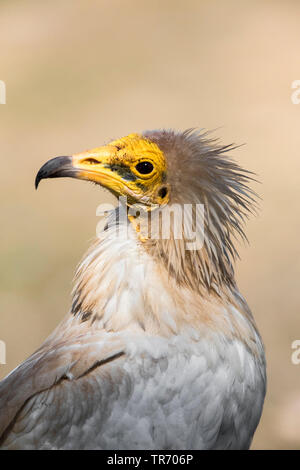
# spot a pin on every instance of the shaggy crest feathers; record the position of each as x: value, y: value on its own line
x: 200, y: 171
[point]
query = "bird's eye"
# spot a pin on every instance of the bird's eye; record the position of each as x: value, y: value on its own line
x: 144, y: 168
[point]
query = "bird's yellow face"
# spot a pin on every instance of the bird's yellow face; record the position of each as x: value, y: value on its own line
x: 132, y: 167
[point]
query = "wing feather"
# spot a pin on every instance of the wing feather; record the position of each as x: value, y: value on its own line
x: 58, y: 361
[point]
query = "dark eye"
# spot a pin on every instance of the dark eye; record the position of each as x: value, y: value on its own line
x: 144, y: 168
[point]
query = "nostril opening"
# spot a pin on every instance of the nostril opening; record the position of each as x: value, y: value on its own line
x: 91, y: 161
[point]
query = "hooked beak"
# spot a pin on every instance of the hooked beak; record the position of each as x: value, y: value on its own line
x: 56, y: 168
x: 97, y: 165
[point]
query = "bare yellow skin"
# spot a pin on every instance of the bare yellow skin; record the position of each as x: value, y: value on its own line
x: 114, y: 166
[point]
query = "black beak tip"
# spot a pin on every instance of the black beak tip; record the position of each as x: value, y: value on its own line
x: 37, y: 180
x: 55, y: 168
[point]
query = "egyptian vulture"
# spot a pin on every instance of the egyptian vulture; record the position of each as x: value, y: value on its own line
x: 159, y: 349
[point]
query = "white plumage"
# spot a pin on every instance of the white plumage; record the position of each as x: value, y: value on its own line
x: 142, y: 363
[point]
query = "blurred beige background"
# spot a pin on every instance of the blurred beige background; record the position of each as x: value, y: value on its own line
x: 79, y: 73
